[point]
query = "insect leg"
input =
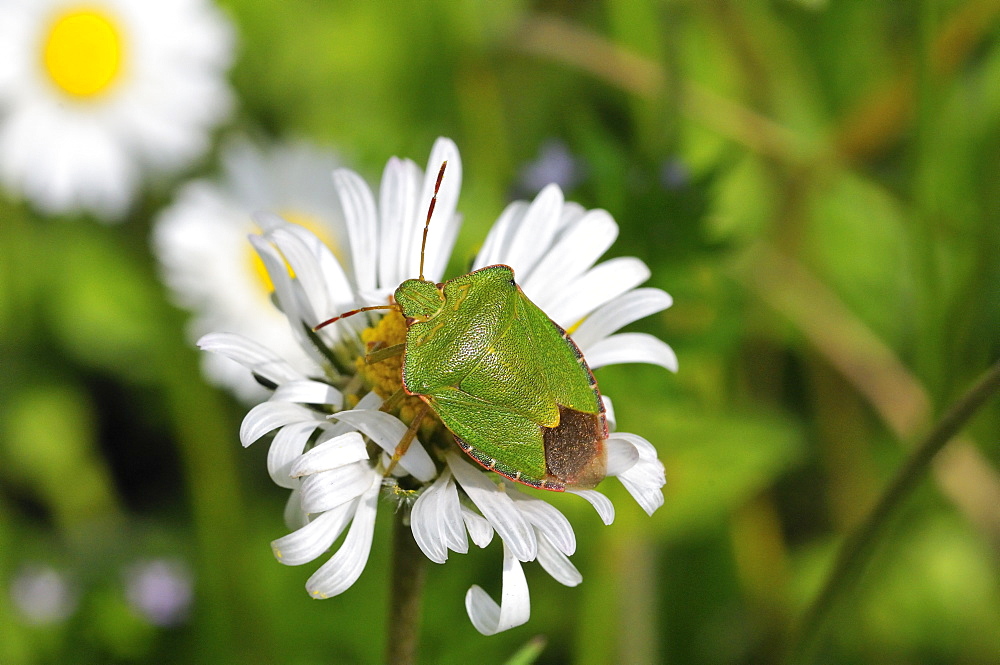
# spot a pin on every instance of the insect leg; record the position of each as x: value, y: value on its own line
x: 392, y: 401
x: 384, y: 354
x: 404, y: 443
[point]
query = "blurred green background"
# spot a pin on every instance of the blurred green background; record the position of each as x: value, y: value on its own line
x: 817, y: 183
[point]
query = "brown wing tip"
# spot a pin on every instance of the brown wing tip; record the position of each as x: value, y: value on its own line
x: 575, y: 454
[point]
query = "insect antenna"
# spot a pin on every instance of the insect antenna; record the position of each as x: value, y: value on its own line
x: 430, y: 211
x: 352, y: 313
x: 423, y: 247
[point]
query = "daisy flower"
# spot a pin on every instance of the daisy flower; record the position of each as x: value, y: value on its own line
x: 201, y: 244
x: 334, y: 431
x: 94, y: 93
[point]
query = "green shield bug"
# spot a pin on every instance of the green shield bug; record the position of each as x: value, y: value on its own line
x: 507, y: 381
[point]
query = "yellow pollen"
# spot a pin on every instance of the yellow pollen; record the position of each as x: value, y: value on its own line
x: 83, y: 52
x: 385, y: 377
x: 306, y: 221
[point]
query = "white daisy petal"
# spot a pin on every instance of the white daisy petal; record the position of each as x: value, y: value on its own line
x: 386, y: 431
x: 622, y: 456
x: 496, y: 506
x: 449, y: 516
x: 289, y: 301
x: 644, y: 482
x: 478, y: 527
x: 646, y: 450
x: 437, y: 522
x: 534, y: 232
x: 498, y: 237
x: 317, y: 275
x: 305, y: 544
x: 345, y: 567
x: 340, y: 293
x: 329, y: 489
x: 255, y: 357
x: 546, y: 519
x: 397, y: 206
x: 424, y: 525
x: 370, y: 402
x: 618, y: 313
x: 301, y: 258
x: 267, y: 220
x: 572, y: 213
x: 605, y: 509
x: 358, y: 204
x: 577, y: 249
x: 225, y: 373
x: 444, y: 226
x: 645, y: 479
x: 483, y: 611
x: 408, y: 223
x: 557, y: 564
x: 309, y: 244
x: 337, y: 452
x: 308, y: 392
x: 631, y: 348
x: 287, y: 445
x: 269, y: 416
x: 515, y: 603
x: 602, y: 283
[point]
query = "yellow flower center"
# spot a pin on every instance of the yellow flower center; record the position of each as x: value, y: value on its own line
x: 304, y: 220
x: 83, y: 52
x: 386, y: 376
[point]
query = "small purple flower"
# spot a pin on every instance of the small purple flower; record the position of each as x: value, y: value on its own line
x: 674, y: 174
x: 160, y: 590
x: 554, y: 164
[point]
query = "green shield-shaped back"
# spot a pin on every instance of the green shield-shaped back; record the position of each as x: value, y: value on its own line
x: 506, y: 380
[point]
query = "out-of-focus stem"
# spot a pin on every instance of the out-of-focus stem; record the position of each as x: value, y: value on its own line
x: 405, y: 598
x: 855, y: 550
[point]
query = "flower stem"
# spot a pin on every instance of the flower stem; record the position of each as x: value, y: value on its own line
x: 408, y: 572
x: 857, y: 547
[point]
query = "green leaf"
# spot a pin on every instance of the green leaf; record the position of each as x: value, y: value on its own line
x: 528, y: 653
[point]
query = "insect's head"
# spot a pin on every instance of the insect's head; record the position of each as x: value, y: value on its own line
x: 416, y: 298
x: 419, y: 299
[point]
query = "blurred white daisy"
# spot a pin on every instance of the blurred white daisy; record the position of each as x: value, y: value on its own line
x: 42, y: 595
x: 211, y: 269
x: 94, y: 93
x: 332, y: 443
